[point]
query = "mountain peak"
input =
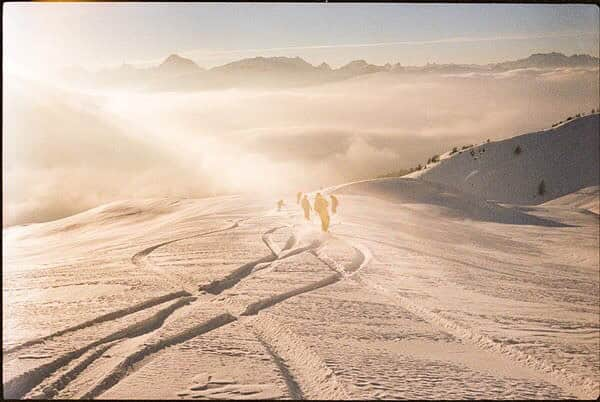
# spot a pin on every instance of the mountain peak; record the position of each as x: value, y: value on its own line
x: 177, y: 63
x: 551, y: 60
x: 260, y: 63
x: 357, y: 63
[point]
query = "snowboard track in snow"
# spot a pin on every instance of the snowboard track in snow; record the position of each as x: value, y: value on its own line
x: 314, y: 379
x: 49, y: 391
x: 136, y: 360
x: 44, y: 381
x: 140, y: 258
x: 106, y: 317
x: 290, y: 382
x: 19, y: 386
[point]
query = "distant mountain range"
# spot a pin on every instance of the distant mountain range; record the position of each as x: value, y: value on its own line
x: 181, y: 74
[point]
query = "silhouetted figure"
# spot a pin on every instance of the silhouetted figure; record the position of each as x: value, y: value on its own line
x: 334, y: 203
x: 279, y: 205
x: 306, y: 207
x: 298, y: 197
x: 321, y: 205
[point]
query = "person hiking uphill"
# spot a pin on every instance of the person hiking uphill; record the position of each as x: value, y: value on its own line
x: 279, y: 205
x: 334, y: 203
x: 321, y: 205
x: 298, y: 197
x: 306, y: 207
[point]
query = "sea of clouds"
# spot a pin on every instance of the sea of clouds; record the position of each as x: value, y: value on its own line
x: 67, y: 150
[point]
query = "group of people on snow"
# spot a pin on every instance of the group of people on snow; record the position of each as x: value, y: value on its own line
x: 321, y: 207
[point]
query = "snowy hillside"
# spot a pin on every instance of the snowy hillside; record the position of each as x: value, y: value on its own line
x: 587, y: 199
x: 566, y: 158
x: 419, y: 291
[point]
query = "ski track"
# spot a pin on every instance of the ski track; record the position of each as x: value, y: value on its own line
x: 24, y: 383
x: 106, y: 317
x: 133, y: 362
x: 292, y: 386
x: 296, y: 362
x: 19, y: 386
x: 42, y: 381
x: 49, y: 391
x: 140, y: 258
x: 267, y: 240
x: 136, y: 360
x: 307, y: 370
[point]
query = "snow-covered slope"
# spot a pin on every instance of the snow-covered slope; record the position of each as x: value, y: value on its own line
x: 444, y: 201
x: 587, y: 198
x: 566, y: 158
x: 419, y: 291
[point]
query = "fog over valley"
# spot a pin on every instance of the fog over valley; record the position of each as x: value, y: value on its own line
x: 281, y: 129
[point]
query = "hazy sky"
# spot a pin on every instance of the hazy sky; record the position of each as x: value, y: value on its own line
x: 39, y: 37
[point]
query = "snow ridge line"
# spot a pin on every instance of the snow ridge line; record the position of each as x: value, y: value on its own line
x: 19, y: 386
x: 318, y: 381
x: 585, y: 388
x: 106, y: 317
x: 130, y: 364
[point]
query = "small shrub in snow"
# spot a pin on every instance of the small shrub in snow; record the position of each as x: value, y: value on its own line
x: 517, y: 150
x: 454, y: 150
x: 541, y: 188
x: 467, y: 146
x: 435, y: 158
x: 569, y: 118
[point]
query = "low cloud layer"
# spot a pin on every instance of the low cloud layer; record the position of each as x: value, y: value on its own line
x: 66, y: 151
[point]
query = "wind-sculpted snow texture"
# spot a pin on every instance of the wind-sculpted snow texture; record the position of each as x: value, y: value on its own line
x: 418, y: 291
